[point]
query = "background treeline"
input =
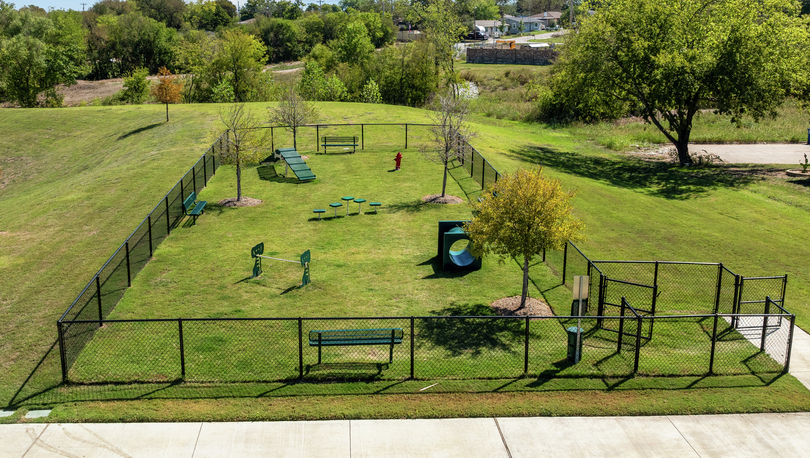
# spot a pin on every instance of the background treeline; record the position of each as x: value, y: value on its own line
x: 221, y: 51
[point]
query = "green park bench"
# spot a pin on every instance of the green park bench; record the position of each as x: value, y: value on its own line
x: 340, y: 141
x: 349, y: 337
x: 198, y: 207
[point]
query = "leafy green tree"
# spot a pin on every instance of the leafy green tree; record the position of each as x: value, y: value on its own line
x: 136, y: 87
x: 442, y: 27
x: 252, y: 8
x: 371, y: 93
x: 195, y: 57
x: 288, y: 10
x: 292, y: 112
x: 169, y: 12
x: 333, y: 24
x: 311, y: 27
x: 669, y: 60
x: 521, y: 215
x: 282, y: 38
x: 407, y: 74
x: 242, y: 57
x: 120, y: 44
x: 315, y: 85
x: 353, y: 45
x: 38, y: 53
x: 244, y: 141
x: 210, y: 14
x: 380, y: 28
x: 113, y: 7
x: 323, y: 56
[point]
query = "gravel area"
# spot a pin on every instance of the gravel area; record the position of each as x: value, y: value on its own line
x: 508, y: 306
x: 438, y: 199
x: 245, y: 202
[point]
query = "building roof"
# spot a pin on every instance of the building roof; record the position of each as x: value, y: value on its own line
x: 484, y: 23
x: 548, y: 15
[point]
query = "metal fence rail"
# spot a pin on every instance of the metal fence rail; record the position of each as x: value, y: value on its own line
x: 108, y: 285
x: 431, y: 347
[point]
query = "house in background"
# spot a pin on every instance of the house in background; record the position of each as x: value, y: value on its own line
x: 549, y: 18
x: 530, y: 24
x: 491, y: 27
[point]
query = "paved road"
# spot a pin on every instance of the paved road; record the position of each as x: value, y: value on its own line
x: 770, y: 153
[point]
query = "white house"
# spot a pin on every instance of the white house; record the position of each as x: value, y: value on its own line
x: 491, y: 27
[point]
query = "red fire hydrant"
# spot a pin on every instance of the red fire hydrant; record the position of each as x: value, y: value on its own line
x: 398, y: 160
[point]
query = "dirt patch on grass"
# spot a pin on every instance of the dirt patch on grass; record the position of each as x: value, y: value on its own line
x: 509, y: 306
x: 245, y: 202
x: 438, y: 199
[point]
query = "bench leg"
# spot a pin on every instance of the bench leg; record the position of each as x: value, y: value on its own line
x: 319, y: 354
x: 391, y: 353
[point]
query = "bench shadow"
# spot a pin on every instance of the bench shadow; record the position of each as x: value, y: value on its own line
x: 139, y: 130
x: 657, y: 178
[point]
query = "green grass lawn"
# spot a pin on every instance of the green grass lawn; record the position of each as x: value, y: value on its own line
x: 77, y: 181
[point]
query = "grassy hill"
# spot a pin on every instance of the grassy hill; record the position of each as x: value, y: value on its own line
x: 77, y: 181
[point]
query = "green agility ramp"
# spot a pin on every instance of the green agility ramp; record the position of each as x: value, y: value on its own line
x: 294, y: 162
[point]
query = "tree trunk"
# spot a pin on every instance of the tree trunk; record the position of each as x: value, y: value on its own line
x: 682, y: 145
x: 444, y: 182
x: 295, y: 145
x: 525, y: 293
x: 167, y: 112
x: 238, y: 182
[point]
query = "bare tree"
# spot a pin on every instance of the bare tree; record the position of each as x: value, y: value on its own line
x: 449, y: 116
x: 243, y: 141
x: 292, y: 112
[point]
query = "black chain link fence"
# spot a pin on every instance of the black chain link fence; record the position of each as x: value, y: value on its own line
x: 83, y: 318
x: 437, y: 347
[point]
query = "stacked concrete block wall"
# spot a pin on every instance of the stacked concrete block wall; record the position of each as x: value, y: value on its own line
x: 522, y: 56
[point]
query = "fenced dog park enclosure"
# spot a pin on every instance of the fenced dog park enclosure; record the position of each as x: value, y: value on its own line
x: 640, y: 318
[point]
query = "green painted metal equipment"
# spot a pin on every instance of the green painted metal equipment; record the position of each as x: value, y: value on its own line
x: 257, y: 253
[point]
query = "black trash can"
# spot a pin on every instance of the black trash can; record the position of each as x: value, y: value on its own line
x: 575, y: 307
x: 572, y: 344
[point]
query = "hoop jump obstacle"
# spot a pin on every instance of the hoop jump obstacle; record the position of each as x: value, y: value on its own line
x: 257, y: 254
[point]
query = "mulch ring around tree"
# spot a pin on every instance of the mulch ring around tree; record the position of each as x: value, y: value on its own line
x: 508, y: 306
x: 244, y: 202
x: 438, y: 199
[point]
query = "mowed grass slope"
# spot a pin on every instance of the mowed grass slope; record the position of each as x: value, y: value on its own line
x: 76, y: 182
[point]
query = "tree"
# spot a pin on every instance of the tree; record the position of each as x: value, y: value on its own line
x: 449, y: 118
x: 292, y: 112
x: 136, y: 87
x: 442, y: 27
x: 243, y: 139
x: 168, y: 90
x: 353, y: 45
x: 37, y: 53
x: 242, y: 56
x: 520, y: 216
x: 169, y: 12
x: 669, y: 60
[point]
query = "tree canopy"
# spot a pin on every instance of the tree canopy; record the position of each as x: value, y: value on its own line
x: 666, y: 61
x: 520, y: 216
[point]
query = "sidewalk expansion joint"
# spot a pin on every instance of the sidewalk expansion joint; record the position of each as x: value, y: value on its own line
x: 503, y: 439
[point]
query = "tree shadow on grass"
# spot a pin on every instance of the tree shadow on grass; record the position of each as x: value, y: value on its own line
x: 456, y: 332
x: 408, y: 207
x: 661, y: 179
x: 436, y: 264
x: 139, y: 130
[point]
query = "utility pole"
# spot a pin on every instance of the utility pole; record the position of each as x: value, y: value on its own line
x: 83, y: 6
x: 320, y: 2
x: 571, y: 10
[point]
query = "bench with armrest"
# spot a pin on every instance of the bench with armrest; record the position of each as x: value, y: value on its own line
x: 340, y: 141
x: 348, y: 337
x: 193, y: 208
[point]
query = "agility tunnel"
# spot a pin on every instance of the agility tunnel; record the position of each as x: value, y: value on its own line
x: 451, y: 232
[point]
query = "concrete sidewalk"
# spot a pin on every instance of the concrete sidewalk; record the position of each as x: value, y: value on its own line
x: 765, y: 153
x: 760, y: 435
